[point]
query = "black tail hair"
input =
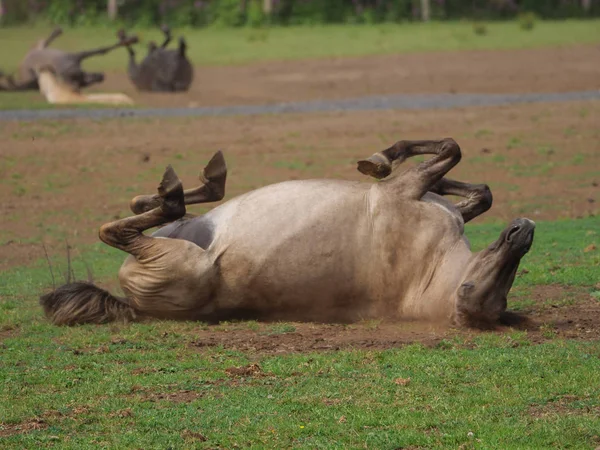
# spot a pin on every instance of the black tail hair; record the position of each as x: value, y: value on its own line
x: 81, y: 302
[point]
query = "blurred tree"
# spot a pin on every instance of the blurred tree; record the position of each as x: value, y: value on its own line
x: 112, y: 9
x: 586, y: 5
x: 425, y: 10
x: 267, y: 7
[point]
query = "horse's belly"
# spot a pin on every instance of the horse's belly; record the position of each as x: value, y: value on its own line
x: 304, y: 256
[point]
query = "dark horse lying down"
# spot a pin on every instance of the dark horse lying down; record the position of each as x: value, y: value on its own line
x: 324, y: 250
x: 161, y: 70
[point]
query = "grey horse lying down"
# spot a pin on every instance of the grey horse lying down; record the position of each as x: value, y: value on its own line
x: 321, y: 250
x: 65, y: 65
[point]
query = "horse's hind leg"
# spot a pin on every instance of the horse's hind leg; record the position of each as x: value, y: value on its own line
x: 27, y: 85
x: 167, y: 32
x: 127, y: 234
x: 182, y: 47
x: 212, y: 189
x: 162, y: 277
x: 46, y: 42
x: 80, y: 56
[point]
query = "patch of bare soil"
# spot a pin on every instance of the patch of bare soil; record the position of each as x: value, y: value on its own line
x: 543, y: 321
x: 40, y: 423
x: 482, y: 71
x: 183, y: 396
x: 63, y: 180
x: 7, y: 331
x: 565, y: 405
x: 551, y: 316
x: 21, y: 428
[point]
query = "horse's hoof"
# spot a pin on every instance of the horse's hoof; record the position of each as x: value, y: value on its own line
x: 377, y: 166
x: 170, y: 191
x: 216, y: 168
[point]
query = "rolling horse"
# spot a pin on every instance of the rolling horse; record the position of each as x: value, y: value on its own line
x: 65, y: 65
x: 162, y: 70
x: 309, y: 250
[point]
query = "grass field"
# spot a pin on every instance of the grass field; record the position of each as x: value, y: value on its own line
x: 155, y: 386
x: 238, y: 46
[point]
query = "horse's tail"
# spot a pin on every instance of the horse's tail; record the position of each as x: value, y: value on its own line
x: 81, y: 302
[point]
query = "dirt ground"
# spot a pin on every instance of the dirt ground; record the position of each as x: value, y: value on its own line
x: 532, y: 70
x: 545, y: 320
x: 63, y: 179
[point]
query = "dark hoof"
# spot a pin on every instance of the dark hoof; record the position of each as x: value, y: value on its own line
x: 170, y: 190
x: 213, y: 176
x: 377, y: 166
x: 216, y: 168
x: 170, y: 183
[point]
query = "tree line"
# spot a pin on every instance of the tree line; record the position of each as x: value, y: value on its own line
x: 198, y: 13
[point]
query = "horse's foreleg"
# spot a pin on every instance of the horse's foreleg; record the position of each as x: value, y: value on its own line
x: 212, y: 189
x: 12, y: 85
x: 90, y: 78
x: 416, y: 181
x: 478, y: 197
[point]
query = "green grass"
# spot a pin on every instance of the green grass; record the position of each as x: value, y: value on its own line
x: 216, y: 46
x: 145, y: 386
x: 145, y: 391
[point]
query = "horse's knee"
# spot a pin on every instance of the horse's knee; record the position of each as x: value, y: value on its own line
x: 485, y: 197
x: 108, y: 234
x: 117, y: 234
x: 451, y: 149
